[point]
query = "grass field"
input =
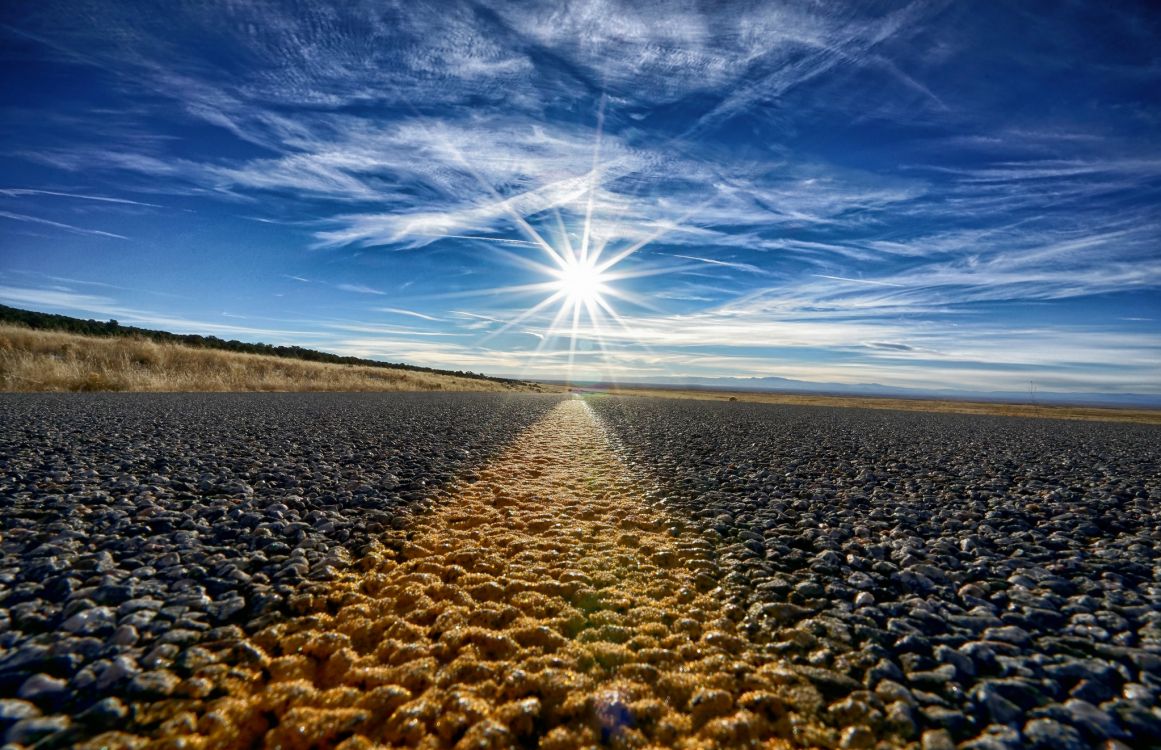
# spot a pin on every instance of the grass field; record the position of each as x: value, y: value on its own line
x: 33, y: 360
x: 1107, y: 414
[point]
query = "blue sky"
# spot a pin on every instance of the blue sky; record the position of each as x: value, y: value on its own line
x: 921, y: 194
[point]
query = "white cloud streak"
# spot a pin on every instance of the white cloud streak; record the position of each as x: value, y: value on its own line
x: 61, y: 225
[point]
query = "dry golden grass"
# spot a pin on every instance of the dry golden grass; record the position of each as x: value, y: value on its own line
x: 33, y: 360
x: 1105, y: 414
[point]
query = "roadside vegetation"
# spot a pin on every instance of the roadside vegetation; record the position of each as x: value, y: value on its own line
x: 111, y: 328
x: 42, y: 360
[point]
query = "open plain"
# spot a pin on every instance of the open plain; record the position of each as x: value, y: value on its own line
x: 364, y: 571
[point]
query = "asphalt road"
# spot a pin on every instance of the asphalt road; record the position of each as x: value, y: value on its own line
x: 137, y: 528
x: 934, y: 579
x: 983, y: 580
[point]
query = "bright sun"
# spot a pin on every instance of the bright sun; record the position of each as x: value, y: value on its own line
x: 581, y: 281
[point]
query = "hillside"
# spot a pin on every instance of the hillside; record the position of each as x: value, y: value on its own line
x: 52, y: 322
x: 58, y: 353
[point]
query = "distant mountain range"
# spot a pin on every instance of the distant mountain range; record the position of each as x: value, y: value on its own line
x: 787, y: 385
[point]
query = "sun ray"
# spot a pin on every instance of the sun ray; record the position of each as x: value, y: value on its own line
x: 582, y: 273
x: 524, y: 316
x: 593, y: 182
x: 520, y: 289
x: 563, y: 233
x: 598, y: 249
x: 551, y: 334
x: 576, y: 308
x: 659, y: 233
x: 598, y: 335
x: 554, y: 327
x: 634, y: 299
x: 503, y: 202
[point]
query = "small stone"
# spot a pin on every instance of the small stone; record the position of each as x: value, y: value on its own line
x: 864, y: 599
x: 962, y: 663
x: 89, y: 621
x: 885, y: 669
x: 179, y: 637
x: 995, y: 737
x: 124, y: 635
x: 33, y: 730
x: 1092, y: 670
x: 160, y: 682
x: 934, y: 679
x: 998, y: 708
x: 1093, y: 692
x: 859, y: 736
x: 782, y: 613
x: 937, y: 739
x: 1135, y: 692
x: 161, y: 655
x: 226, y: 608
x: 830, y: 683
x: 104, y: 713
x: 1019, y: 691
x: 981, y: 655
x: 1142, y: 723
x: 1092, y: 721
x: 900, y: 720
x: 120, y: 669
x: 83, y: 679
x: 41, y: 686
x: 139, y: 605
x: 707, y: 704
x: 947, y: 718
x: 889, y: 691
x: 13, y: 710
x: 1013, y: 634
x: 1046, y: 734
x: 809, y: 589
x: 850, y: 712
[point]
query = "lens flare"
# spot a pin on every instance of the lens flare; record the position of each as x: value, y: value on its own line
x: 581, y: 281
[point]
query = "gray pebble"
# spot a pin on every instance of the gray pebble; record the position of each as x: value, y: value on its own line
x: 41, y: 686
x: 937, y: 739
x: 1046, y: 734
x: 13, y: 710
x: 31, y: 731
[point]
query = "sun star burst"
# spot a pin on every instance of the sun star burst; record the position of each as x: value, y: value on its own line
x: 581, y: 276
x: 582, y: 281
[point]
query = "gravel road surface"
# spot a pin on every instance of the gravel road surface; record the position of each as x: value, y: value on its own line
x: 137, y: 529
x: 550, y: 603
x: 906, y: 579
x: 988, y: 581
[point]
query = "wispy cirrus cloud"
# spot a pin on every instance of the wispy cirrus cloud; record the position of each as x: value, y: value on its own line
x: 359, y: 289
x: 60, y: 225
x: 747, y: 267
x: 21, y: 192
x: 408, y: 313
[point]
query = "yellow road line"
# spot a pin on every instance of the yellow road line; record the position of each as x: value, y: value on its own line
x: 544, y: 605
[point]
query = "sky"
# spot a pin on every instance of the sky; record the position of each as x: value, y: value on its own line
x: 926, y: 194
